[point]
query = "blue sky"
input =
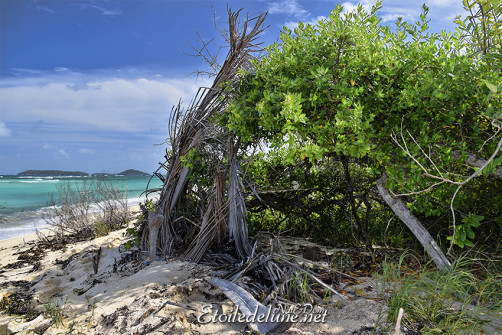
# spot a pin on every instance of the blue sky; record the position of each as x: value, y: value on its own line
x: 89, y: 85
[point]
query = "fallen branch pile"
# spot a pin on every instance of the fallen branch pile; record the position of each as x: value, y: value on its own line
x: 195, y: 215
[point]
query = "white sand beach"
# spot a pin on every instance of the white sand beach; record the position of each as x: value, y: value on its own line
x: 129, y: 295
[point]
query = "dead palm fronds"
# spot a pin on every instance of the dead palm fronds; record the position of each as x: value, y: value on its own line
x: 221, y: 206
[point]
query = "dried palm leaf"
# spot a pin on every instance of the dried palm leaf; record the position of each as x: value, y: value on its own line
x: 193, y: 129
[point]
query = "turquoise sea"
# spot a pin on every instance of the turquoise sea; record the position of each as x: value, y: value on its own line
x: 24, y: 199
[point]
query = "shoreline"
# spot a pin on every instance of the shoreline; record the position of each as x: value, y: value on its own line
x: 31, y: 239
x: 24, y: 239
x: 31, y: 226
x: 24, y: 200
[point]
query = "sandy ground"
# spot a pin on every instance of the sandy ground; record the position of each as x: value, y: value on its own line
x: 129, y: 295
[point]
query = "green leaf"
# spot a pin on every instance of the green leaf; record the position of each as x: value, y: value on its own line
x: 460, y: 23
x: 491, y: 87
x: 462, y: 235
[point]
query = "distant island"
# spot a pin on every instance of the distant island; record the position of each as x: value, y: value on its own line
x: 132, y: 172
x: 56, y: 173
x: 127, y: 173
x: 51, y: 173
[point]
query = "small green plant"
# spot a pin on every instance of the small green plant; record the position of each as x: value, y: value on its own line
x: 137, y: 228
x: 133, y: 242
x: 392, y: 273
x: 101, y: 228
x: 464, y: 233
x: 150, y: 205
x: 300, y: 290
x: 339, y: 260
x: 54, y: 310
x: 71, y: 328
x: 92, y: 306
x: 443, y: 302
x: 327, y: 296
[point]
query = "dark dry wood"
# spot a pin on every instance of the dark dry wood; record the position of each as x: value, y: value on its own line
x: 410, y: 220
x: 95, y: 261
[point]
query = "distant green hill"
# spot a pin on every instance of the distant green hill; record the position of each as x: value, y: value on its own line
x: 132, y: 172
x: 51, y: 173
x: 127, y: 173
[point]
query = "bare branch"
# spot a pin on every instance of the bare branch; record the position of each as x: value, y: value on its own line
x: 475, y: 174
x: 472, y: 160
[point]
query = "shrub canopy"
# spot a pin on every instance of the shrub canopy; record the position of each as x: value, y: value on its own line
x: 399, y: 100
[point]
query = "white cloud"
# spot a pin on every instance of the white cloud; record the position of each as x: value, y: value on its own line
x: 94, y: 102
x: 445, y: 10
x: 443, y: 3
x: 83, y: 85
x: 394, y: 17
x: 63, y: 153
x: 104, y: 11
x: 4, y: 131
x: 293, y: 24
x: 441, y: 12
x: 352, y: 6
x: 288, y: 7
x: 47, y: 146
x: 87, y: 151
x: 21, y: 71
x: 409, y: 11
x: 58, y: 152
x: 45, y: 9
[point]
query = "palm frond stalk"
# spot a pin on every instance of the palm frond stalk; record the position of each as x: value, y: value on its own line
x: 195, y: 216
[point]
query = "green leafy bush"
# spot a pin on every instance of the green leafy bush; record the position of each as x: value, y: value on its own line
x: 369, y: 98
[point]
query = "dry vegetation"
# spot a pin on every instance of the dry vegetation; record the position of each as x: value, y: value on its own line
x: 87, y: 209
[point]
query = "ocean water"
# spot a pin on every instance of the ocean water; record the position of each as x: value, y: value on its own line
x: 23, y: 200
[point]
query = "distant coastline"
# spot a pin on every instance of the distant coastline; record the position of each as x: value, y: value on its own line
x: 128, y: 173
x: 51, y: 173
x: 59, y: 173
x: 24, y: 199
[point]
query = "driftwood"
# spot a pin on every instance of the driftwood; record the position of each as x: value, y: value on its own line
x: 95, y: 261
x: 325, y: 268
x: 154, y: 222
x: 274, y: 274
x: 398, y: 322
x: 402, y: 211
x: 312, y: 276
x: 434, y: 173
x: 247, y: 305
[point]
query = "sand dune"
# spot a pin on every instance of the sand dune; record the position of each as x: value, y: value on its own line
x: 129, y: 295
